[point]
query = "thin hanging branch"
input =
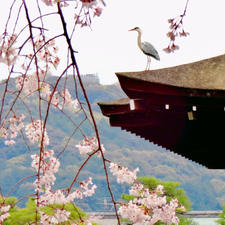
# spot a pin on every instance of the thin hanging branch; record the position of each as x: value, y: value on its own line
x: 176, y: 30
x: 74, y: 62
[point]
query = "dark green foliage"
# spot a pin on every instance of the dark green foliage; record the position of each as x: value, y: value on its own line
x: 170, y: 188
x: 25, y: 216
x: 9, y: 201
x: 221, y: 220
x: 22, y: 216
x: 187, y: 221
x: 17, y: 215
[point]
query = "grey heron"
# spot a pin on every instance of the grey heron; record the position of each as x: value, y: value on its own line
x: 147, y: 48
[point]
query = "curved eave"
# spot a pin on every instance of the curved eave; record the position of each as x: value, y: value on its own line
x: 138, y: 88
x: 115, y: 107
x: 204, y: 75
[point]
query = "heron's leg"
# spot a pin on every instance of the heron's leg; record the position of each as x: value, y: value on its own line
x: 146, y: 68
x: 148, y: 63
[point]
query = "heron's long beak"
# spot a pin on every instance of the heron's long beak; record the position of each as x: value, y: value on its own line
x: 131, y: 29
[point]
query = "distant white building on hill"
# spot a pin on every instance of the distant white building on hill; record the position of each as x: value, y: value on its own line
x: 91, y: 78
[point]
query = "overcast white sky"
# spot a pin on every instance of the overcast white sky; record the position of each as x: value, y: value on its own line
x: 110, y: 48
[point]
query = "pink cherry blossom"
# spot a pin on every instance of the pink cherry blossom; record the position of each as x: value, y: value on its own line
x: 29, y: 84
x: 3, y: 132
x: 67, y: 100
x: 11, y: 128
x: 87, y: 146
x: 47, y: 52
x: 16, y: 124
x: 52, y: 2
x: 55, y: 100
x: 48, y: 166
x: 49, y: 2
x: 87, y: 191
x: 50, y: 197
x: 10, y: 142
x: 44, y: 55
x: 45, y: 90
x: 8, y: 52
x: 35, y: 133
x: 63, y: 100
x: 60, y: 216
x: 149, y: 207
x: 88, y: 9
x: 176, y: 30
x: 123, y: 174
x: 134, y: 213
x: 159, y: 189
x: 4, y: 212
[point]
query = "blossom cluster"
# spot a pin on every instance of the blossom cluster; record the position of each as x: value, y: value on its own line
x: 149, y: 207
x: 59, y: 197
x: 36, y: 133
x: 4, y: 212
x: 60, y: 216
x: 11, y: 130
x: 176, y: 30
x: 88, y: 9
x: 85, y: 189
x: 46, y: 51
x: 123, y: 174
x: 8, y: 53
x: 87, y: 146
x: 29, y: 84
x: 52, y: 2
x: 63, y: 99
x: 47, y: 165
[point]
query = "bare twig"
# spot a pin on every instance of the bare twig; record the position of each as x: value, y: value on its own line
x: 88, y: 104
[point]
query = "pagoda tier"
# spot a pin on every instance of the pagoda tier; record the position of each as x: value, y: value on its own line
x: 180, y: 108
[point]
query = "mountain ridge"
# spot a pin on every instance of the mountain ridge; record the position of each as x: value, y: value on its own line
x: 200, y: 184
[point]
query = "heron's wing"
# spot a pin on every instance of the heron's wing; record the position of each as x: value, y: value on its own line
x: 149, y: 49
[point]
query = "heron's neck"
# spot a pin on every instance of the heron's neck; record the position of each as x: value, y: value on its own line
x: 139, y: 39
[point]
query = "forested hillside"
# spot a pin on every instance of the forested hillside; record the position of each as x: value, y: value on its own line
x: 205, y: 188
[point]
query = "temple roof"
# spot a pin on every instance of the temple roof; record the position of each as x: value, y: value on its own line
x: 204, y: 74
x: 181, y: 108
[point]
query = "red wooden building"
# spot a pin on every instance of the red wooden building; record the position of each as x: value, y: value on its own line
x: 180, y: 108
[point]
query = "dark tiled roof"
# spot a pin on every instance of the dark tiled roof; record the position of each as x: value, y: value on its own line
x: 204, y: 74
